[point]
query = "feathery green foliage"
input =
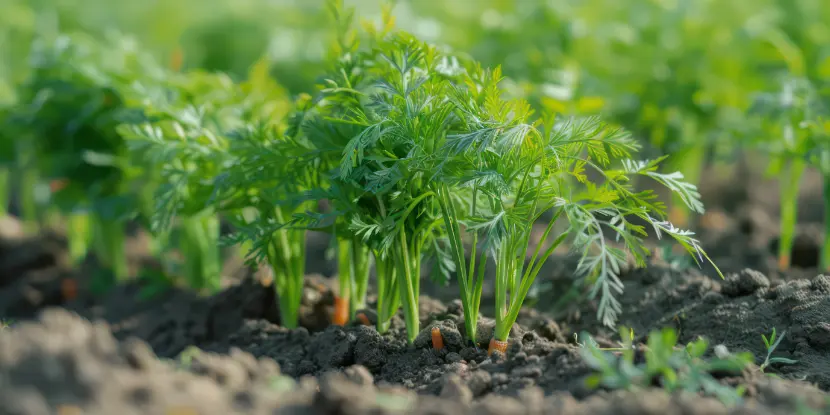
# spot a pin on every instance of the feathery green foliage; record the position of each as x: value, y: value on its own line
x: 420, y: 146
x: 65, y: 122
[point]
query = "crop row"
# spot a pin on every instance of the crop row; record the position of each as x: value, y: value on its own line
x: 408, y: 154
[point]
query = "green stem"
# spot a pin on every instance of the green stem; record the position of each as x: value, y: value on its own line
x: 469, y: 287
x: 28, y: 199
x: 203, y: 264
x: 505, y: 320
x: 286, y: 255
x: 789, y: 211
x: 110, y: 247
x: 388, y: 298
x: 5, y: 189
x: 158, y: 241
x: 408, y: 282
x: 344, y: 268
x: 78, y: 235
x: 360, y: 280
x: 825, y: 251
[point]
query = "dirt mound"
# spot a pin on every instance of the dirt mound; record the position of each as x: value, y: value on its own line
x: 65, y: 364
x: 734, y: 312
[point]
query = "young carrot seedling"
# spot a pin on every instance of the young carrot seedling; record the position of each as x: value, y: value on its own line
x: 434, y: 147
x: 788, y: 136
x: 263, y: 185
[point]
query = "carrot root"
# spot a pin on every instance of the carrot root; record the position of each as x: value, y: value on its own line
x: 784, y: 262
x: 437, y: 338
x: 58, y: 185
x: 341, y: 311
x: 69, y: 288
x: 363, y: 319
x: 497, y: 345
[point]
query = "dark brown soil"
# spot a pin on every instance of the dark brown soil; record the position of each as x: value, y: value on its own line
x: 182, y: 353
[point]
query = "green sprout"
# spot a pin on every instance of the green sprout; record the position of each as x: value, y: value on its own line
x: 771, y: 344
x: 675, y: 368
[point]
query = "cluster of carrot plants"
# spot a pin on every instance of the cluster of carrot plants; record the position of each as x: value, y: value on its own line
x: 407, y: 154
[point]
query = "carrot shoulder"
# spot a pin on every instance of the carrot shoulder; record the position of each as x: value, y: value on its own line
x: 496, y: 345
x: 437, y: 339
x: 341, y: 311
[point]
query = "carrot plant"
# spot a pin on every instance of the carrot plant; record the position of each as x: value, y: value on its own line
x: 796, y: 132
x: 66, y: 120
x: 530, y: 168
x: 786, y: 121
x: 220, y: 147
x: 189, y: 131
x: 380, y: 115
x: 431, y: 156
x: 272, y: 182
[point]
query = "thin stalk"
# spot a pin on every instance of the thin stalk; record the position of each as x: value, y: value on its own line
x: 360, y: 276
x: 157, y: 241
x: 203, y: 264
x: 110, y: 246
x: 408, y: 282
x: 286, y: 255
x: 469, y: 285
x: 789, y: 211
x: 825, y: 250
x: 5, y: 189
x: 345, y: 274
x: 353, y: 272
x: 388, y: 298
x: 53, y: 217
x: 345, y: 268
x: 28, y: 199
x: 507, y: 310
x: 79, y: 235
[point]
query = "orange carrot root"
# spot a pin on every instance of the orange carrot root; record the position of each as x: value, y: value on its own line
x: 784, y: 262
x: 437, y: 339
x: 58, y: 185
x: 341, y: 311
x: 496, y: 345
x: 363, y: 319
x: 69, y: 288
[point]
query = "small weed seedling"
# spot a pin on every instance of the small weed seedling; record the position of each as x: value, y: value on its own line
x: 671, y: 367
x: 771, y: 344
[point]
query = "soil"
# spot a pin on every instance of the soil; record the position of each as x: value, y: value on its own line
x: 183, y: 353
